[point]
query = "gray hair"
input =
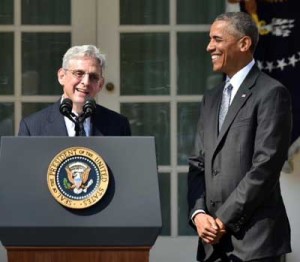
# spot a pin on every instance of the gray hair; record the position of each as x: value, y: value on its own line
x: 242, y: 25
x: 83, y: 51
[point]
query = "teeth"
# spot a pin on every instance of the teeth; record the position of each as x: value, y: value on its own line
x: 214, y: 57
x: 81, y: 90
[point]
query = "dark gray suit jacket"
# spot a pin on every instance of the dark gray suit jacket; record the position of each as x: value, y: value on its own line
x: 50, y: 122
x: 235, y: 174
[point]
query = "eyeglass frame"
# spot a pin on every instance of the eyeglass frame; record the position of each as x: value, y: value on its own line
x: 93, y: 77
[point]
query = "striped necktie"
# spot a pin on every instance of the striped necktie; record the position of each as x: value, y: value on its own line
x: 79, y: 128
x: 225, y: 103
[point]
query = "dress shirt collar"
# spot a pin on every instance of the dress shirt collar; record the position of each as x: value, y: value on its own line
x: 71, y: 126
x: 238, y: 78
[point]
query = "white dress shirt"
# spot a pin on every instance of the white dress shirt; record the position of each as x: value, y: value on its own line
x: 71, y: 126
x: 238, y: 79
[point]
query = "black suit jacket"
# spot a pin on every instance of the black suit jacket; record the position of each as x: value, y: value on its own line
x: 50, y: 122
x: 234, y: 175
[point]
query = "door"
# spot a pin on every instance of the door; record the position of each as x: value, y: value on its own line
x: 157, y: 70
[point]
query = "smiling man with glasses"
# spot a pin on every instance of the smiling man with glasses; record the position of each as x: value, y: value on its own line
x: 81, y: 78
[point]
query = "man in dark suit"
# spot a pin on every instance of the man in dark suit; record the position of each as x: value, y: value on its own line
x: 234, y: 193
x: 81, y: 78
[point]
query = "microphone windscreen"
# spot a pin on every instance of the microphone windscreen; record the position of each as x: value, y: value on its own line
x: 89, y: 107
x: 65, y: 107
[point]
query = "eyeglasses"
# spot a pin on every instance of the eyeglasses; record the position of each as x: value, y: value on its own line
x: 79, y: 75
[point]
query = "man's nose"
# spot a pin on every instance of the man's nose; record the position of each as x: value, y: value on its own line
x: 86, y: 78
x: 209, y: 47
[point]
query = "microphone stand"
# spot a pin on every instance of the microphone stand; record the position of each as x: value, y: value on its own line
x: 78, y: 121
x: 88, y: 109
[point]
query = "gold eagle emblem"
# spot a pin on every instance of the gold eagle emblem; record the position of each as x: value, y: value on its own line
x: 78, y: 175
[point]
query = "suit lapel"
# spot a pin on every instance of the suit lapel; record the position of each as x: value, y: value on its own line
x: 212, y: 104
x: 215, y: 108
x: 96, y: 130
x: 239, y: 100
x: 97, y: 125
x: 55, y: 122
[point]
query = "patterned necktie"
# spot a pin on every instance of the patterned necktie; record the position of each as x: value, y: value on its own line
x: 225, y: 104
x: 79, y: 128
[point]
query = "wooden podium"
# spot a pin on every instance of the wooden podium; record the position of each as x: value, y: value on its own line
x: 79, y: 254
x: 122, y: 226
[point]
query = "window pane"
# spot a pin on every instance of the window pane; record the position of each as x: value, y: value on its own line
x: 145, y: 64
x: 188, y: 115
x: 7, y: 64
x: 41, y: 58
x: 144, y: 12
x: 165, y: 191
x: 183, y: 216
x: 7, y: 119
x: 151, y: 119
x: 46, y: 12
x: 194, y: 64
x: 6, y: 12
x: 198, y: 11
x: 29, y: 108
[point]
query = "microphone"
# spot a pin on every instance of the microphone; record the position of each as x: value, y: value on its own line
x: 65, y: 107
x: 89, y: 107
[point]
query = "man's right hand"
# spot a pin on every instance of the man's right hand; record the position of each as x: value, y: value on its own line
x: 207, y: 227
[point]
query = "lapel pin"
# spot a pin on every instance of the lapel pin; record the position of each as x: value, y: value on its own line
x: 243, y: 95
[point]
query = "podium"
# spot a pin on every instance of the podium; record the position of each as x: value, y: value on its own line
x: 122, y: 226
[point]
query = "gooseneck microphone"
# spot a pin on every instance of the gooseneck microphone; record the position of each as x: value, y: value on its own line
x: 65, y: 108
x: 89, y: 107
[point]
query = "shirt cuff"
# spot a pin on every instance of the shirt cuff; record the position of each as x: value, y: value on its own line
x: 196, y: 213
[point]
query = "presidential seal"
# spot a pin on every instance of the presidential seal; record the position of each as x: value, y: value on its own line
x: 77, y: 177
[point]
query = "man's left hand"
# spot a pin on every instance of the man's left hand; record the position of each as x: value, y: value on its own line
x: 221, y: 231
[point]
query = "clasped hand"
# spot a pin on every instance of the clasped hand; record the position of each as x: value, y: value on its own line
x: 209, y: 229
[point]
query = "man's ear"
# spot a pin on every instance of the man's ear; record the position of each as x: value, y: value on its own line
x: 245, y: 43
x: 101, y: 83
x: 61, y: 73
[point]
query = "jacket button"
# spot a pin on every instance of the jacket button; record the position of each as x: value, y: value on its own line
x: 212, y: 203
x: 237, y: 227
x: 215, y: 172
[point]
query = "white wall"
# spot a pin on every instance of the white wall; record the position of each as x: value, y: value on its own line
x: 290, y: 185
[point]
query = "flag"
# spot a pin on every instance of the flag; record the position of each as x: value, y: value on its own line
x: 278, y: 50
